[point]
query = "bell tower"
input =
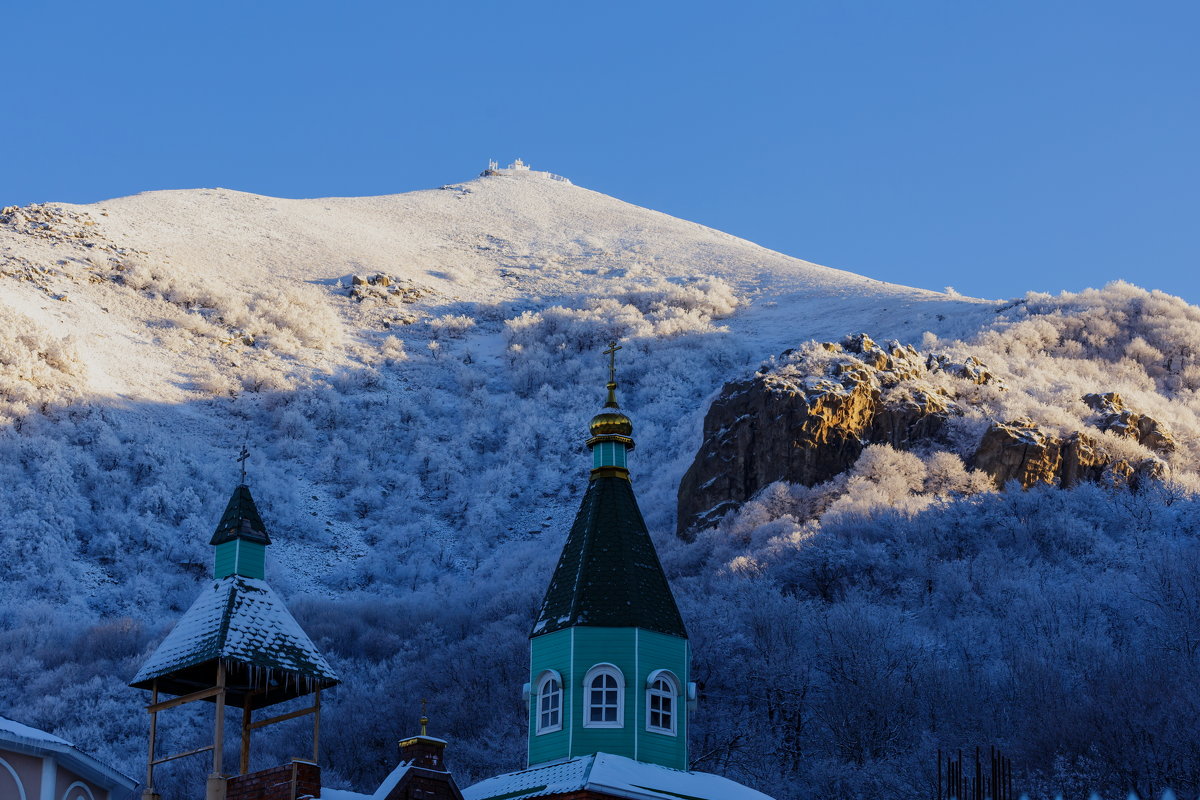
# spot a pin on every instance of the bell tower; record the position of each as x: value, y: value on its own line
x: 237, y: 646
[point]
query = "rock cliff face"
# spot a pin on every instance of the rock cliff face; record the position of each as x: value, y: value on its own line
x: 1020, y: 451
x: 809, y: 420
x: 808, y: 428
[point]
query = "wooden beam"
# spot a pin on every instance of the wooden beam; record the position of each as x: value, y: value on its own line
x: 317, y: 726
x: 244, y: 766
x: 153, y: 732
x: 204, y: 749
x: 219, y: 732
x: 262, y: 723
x: 203, y: 694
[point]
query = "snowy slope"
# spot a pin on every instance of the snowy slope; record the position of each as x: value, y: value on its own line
x: 502, y: 238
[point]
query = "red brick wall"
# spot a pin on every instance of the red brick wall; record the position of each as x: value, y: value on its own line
x: 286, y: 782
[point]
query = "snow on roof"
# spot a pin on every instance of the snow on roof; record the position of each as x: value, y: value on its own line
x: 612, y: 775
x: 38, y: 742
x: 240, y: 619
x: 383, y: 791
x: 8, y: 726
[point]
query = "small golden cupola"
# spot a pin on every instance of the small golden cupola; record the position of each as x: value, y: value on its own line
x: 612, y: 431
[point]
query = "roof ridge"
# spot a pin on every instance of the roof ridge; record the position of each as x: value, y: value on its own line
x: 226, y: 615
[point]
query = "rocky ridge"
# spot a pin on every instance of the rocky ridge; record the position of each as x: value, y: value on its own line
x: 807, y: 416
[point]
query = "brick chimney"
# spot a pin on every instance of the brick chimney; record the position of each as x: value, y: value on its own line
x: 424, y: 751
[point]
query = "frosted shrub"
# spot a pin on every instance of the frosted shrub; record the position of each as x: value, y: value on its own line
x: 36, y: 369
x: 392, y: 350
x: 451, y: 325
x: 709, y: 297
x: 285, y: 319
x: 301, y: 311
x: 259, y: 377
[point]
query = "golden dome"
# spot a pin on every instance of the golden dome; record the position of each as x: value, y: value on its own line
x: 611, y: 422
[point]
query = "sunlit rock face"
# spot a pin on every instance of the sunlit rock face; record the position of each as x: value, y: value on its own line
x: 1116, y: 418
x: 806, y: 417
x: 809, y: 418
x: 1020, y: 451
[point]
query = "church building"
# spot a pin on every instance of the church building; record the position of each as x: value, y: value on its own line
x: 609, y: 686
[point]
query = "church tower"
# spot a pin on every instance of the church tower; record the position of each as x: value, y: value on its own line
x: 609, y: 655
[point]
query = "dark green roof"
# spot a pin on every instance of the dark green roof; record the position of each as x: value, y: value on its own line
x: 609, y: 575
x: 241, y: 520
x: 242, y: 622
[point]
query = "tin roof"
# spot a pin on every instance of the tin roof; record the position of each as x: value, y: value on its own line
x: 609, y: 574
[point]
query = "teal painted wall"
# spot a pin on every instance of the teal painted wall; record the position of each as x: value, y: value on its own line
x: 241, y: 558
x: 608, y: 454
x: 637, y: 653
x: 552, y: 651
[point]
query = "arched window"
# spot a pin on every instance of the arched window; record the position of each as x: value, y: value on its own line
x: 604, y: 699
x: 662, y: 702
x: 10, y: 782
x: 549, y: 702
x: 78, y: 791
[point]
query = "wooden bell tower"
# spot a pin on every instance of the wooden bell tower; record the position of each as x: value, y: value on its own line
x: 236, y: 646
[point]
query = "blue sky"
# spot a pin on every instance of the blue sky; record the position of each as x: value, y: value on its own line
x: 994, y: 147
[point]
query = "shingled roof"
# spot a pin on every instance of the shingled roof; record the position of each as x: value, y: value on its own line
x: 242, y: 622
x: 609, y: 574
x: 240, y: 519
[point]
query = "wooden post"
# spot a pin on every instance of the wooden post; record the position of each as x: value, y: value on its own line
x: 219, y: 732
x: 317, y: 726
x: 244, y: 766
x: 153, y: 732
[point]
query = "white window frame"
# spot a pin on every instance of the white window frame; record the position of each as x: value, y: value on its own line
x: 614, y: 672
x: 546, y: 677
x: 674, y: 694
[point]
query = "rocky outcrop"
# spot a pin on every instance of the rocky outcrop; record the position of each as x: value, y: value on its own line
x: 1116, y: 418
x: 382, y: 288
x: 1020, y: 451
x: 807, y: 418
x: 788, y: 424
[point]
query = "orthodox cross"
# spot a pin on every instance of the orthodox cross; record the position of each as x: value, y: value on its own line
x: 424, y: 719
x: 611, y: 352
x: 242, y: 456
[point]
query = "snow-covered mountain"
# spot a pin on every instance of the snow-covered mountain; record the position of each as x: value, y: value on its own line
x: 517, y: 239
x: 413, y: 375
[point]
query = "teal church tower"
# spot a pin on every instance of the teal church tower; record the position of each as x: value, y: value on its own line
x: 609, y: 654
x: 240, y: 540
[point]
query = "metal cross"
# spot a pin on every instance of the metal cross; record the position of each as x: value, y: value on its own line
x: 242, y: 456
x: 611, y: 352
